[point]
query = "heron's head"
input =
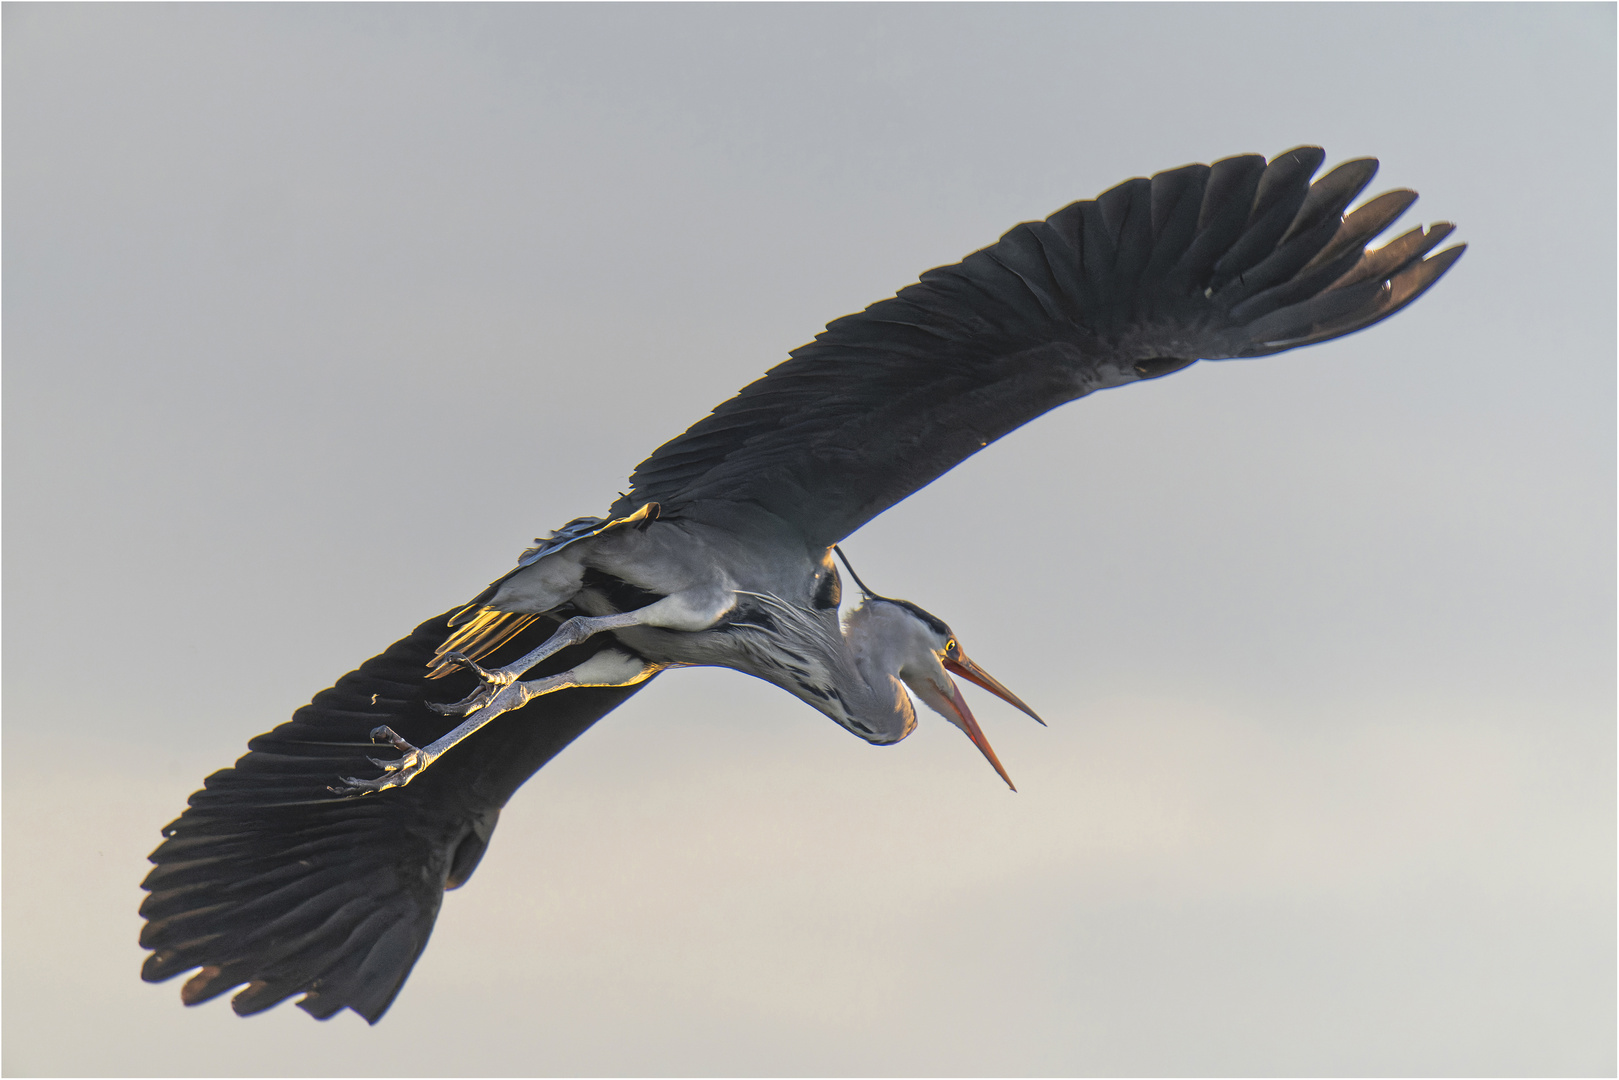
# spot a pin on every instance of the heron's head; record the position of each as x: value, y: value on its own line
x: 895, y: 639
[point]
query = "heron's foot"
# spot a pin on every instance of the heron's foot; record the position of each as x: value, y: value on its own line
x: 490, y: 684
x: 396, y: 773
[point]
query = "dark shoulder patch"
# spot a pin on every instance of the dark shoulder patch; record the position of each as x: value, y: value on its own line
x: 829, y: 594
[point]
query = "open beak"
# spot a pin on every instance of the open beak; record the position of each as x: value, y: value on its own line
x: 964, y: 720
x: 953, y: 707
x: 979, y: 677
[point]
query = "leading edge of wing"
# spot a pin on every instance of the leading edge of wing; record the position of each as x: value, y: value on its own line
x: 270, y: 880
x: 1240, y: 258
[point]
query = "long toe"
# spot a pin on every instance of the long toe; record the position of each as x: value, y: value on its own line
x: 384, y: 733
x: 469, y: 704
x: 354, y: 786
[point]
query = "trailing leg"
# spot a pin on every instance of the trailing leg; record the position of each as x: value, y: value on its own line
x: 609, y: 667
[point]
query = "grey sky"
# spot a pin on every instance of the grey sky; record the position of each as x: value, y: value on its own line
x: 314, y: 315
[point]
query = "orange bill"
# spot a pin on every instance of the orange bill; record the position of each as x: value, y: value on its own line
x: 975, y: 733
x: 976, y: 675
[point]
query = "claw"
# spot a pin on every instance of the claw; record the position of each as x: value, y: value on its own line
x: 492, y: 683
x: 394, y: 773
x: 461, y: 659
x: 384, y: 733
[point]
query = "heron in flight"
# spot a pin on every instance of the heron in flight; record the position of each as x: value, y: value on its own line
x: 310, y: 867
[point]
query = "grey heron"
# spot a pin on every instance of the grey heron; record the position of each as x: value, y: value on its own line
x: 310, y: 867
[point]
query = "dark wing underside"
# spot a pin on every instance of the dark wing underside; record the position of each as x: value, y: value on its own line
x: 1237, y: 259
x: 270, y: 880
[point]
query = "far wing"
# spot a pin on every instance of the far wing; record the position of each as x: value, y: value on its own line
x: 270, y: 880
x: 1237, y: 259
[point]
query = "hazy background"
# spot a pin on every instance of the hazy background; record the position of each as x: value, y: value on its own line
x: 315, y: 315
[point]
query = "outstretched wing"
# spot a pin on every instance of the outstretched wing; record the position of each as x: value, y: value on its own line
x: 1238, y: 259
x: 270, y: 880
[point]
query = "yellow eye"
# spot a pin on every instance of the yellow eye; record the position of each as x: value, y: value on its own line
x: 950, y: 646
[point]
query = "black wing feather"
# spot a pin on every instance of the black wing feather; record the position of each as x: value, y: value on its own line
x: 270, y: 880
x: 1241, y: 258
x: 1177, y: 204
